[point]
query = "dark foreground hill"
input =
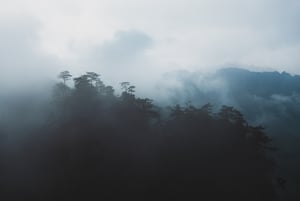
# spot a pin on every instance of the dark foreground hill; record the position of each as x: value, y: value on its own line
x: 271, y: 99
x: 90, y: 144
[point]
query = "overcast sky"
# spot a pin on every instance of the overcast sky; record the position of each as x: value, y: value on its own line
x: 138, y: 39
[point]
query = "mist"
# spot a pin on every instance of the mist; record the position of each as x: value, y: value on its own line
x: 117, y: 38
x: 120, y: 94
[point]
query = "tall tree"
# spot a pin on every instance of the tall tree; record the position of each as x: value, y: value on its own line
x: 65, y: 76
x: 128, y: 91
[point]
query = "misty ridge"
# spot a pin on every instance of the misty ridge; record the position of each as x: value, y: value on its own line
x: 270, y: 99
x: 80, y: 140
x: 267, y: 98
x: 149, y: 100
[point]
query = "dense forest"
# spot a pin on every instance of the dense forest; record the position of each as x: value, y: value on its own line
x: 270, y: 99
x: 91, y: 144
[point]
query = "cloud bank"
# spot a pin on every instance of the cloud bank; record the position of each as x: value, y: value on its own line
x: 138, y: 40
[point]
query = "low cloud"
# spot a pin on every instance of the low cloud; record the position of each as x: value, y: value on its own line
x: 122, y: 58
x: 119, y: 53
x: 22, y: 63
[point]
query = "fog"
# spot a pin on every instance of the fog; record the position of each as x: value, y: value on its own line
x: 182, y: 55
x: 142, y: 41
x: 270, y: 99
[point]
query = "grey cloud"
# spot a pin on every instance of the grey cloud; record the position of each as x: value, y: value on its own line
x: 180, y: 87
x: 187, y: 33
x: 21, y: 62
x: 125, y: 47
x: 121, y: 58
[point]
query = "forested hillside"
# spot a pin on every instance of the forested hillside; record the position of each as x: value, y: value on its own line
x: 270, y: 99
x: 87, y: 143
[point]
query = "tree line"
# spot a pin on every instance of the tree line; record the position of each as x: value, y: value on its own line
x: 98, y: 145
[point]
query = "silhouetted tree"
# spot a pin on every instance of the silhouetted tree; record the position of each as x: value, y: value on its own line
x: 98, y: 146
x: 108, y: 91
x: 128, y: 92
x: 231, y: 114
x: 65, y: 76
x: 176, y: 111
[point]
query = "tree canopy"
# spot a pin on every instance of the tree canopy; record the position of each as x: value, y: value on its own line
x: 97, y: 145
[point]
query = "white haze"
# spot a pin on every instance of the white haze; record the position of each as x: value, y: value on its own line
x: 138, y: 40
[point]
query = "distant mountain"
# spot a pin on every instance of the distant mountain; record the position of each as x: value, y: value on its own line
x: 263, y: 84
x: 271, y: 99
x: 262, y: 96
